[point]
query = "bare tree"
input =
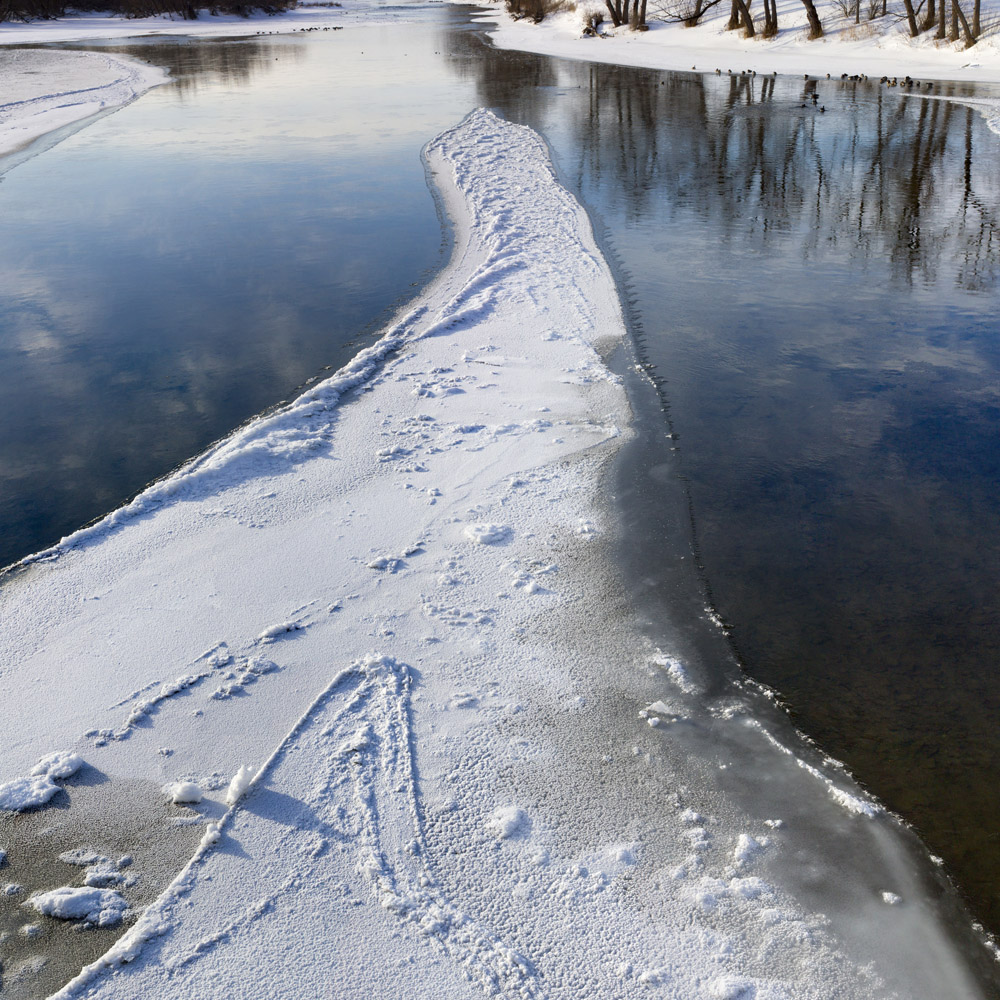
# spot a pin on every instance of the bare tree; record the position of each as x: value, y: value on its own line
x: 739, y: 16
x: 911, y: 17
x: 771, y: 18
x: 931, y: 17
x: 688, y: 12
x: 815, y: 25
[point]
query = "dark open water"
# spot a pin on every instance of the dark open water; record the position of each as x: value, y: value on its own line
x: 815, y: 294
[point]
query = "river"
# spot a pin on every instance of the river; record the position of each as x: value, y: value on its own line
x: 812, y: 293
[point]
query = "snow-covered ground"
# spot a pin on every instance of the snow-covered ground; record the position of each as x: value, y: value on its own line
x: 874, y: 48
x: 375, y: 644
x: 45, y: 90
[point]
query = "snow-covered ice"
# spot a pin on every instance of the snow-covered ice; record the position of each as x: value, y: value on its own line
x: 446, y: 787
x: 44, y: 90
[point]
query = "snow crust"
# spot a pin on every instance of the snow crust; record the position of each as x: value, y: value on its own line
x: 44, y: 90
x: 444, y: 783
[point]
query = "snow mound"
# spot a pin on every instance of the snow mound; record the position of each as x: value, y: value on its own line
x: 38, y: 788
x: 506, y: 821
x: 100, y: 907
x: 487, y: 534
x: 184, y: 793
x: 62, y: 764
x: 239, y: 785
x: 27, y: 793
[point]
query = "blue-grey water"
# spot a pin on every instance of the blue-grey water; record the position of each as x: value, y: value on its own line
x: 815, y: 294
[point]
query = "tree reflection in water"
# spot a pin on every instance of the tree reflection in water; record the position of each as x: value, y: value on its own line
x: 815, y: 286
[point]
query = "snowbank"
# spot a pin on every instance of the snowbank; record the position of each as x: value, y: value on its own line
x: 42, y: 91
x: 873, y: 48
x: 446, y: 783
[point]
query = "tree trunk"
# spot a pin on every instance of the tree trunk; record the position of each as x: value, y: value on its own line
x: 695, y: 14
x: 970, y: 39
x: 770, y: 18
x: 744, y: 6
x: 911, y: 18
x: 976, y: 26
x: 931, y: 19
x: 615, y: 11
x: 815, y: 25
x: 734, y: 17
x: 942, y: 19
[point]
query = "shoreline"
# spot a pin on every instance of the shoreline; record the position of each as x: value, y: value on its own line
x: 872, y: 48
x: 48, y: 90
x: 82, y: 88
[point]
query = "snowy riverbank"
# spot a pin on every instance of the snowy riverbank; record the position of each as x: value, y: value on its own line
x: 873, y: 48
x: 45, y: 90
x: 394, y: 602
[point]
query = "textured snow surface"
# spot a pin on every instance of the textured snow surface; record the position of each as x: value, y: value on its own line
x: 441, y: 780
x: 43, y: 90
